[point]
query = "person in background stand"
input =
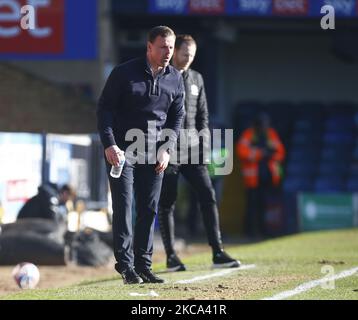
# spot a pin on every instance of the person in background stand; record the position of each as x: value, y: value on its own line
x: 261, y: 153
x: 49, y: 203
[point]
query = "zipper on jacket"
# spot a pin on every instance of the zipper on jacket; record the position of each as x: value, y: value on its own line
x: 155, y: 87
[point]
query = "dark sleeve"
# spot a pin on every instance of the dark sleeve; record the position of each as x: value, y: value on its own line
x: 202, y: 115
x: 176, y: 114
x: 39, y: 206
x: 26, y: 210
x: 108, y: 101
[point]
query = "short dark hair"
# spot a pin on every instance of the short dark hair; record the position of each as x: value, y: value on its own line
x: 67, y: 188
x: 162, y: 31
x: 184, y: 38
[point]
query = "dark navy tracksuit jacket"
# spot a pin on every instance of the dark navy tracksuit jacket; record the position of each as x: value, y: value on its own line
x: 131, y: 98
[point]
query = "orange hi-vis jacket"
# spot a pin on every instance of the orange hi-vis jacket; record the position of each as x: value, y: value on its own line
x: 250, y: 156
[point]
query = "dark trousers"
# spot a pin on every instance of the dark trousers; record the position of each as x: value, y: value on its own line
x: 194, y: 208
x: 199, y: 180
x: 134, y: 250
x: 192, y: 217
x: 256, y: 210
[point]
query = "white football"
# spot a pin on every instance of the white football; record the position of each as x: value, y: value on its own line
x: 26, y: 275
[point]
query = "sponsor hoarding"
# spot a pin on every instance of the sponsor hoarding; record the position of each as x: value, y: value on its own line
x: 263, y: 8
x: 332, y: 211
x: 64, y: 29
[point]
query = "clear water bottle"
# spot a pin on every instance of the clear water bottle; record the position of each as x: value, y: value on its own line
x: 117, y: 171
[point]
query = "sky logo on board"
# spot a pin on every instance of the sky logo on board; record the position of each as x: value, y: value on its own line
x: 256, y: 7
x: 168, y: 6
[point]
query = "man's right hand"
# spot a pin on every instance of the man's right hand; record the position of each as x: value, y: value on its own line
x: 114, y: 155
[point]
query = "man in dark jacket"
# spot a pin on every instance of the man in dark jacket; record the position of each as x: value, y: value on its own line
x: 49, y: 203
x: 137, y: 92
x: 196, y: 174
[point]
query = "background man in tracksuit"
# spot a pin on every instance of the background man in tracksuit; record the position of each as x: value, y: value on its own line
x: 196, y: 174
x: 141, y: 90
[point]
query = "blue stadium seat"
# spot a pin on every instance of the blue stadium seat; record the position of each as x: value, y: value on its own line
x: 303, y: 125
x: 329, y: 184
x: 352, y: 184
x: 307, y: 126
x: 306, y: 154
x: 301, y: 168
x: 334, y: 138
x: 339, y: 124
x: 329, y: 169
x: 306, y: 139
x: 336, y: 154
x: 297, y: 184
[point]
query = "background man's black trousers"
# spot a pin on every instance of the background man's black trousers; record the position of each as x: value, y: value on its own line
x: 199, y: 180
x: 257, y: 199
x: 134, y: 250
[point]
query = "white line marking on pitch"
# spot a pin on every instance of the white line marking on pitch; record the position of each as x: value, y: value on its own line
x: 150, y: 294
x: 216, y: 274
x: 309, y: 285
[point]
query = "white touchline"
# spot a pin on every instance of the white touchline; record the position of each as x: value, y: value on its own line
x: 150, y: 294
x: 216, y: 274
x: 309, y: 285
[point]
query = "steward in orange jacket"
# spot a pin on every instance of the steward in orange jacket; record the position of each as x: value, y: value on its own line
x: 261, y: 152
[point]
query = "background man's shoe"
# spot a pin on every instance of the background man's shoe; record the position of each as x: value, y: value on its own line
x: 130, y: 276
x: 222, y: 260
x: 174, y: 264
x: 149, y: 276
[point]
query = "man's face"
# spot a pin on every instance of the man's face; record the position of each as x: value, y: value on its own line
x: 65, y: 196
x: 161, y: 50
x: 184, y: 56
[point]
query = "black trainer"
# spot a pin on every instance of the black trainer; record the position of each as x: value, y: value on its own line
x: 222, y: 260
x: 174, y: 264
x: 130, y: 276
x: 149, y: 276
